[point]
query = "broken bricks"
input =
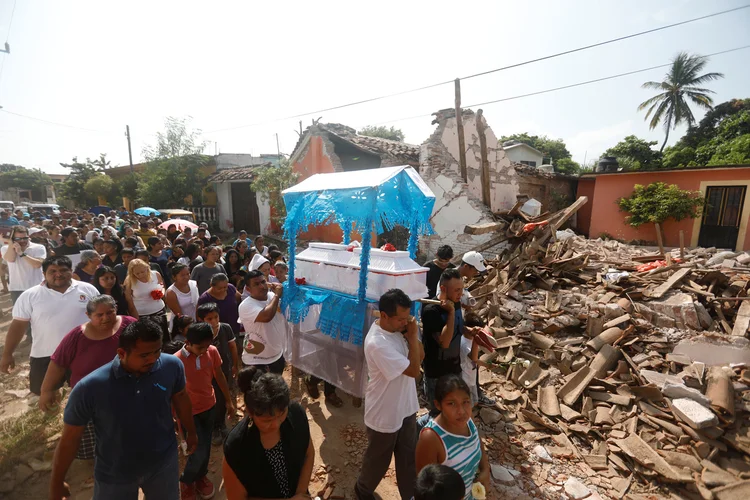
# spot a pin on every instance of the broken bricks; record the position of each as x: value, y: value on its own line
x: 600, y: 354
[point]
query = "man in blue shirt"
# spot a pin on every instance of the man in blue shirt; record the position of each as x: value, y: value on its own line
x: 129, y: 401
x: 243, y: 237
x: 7, y: 220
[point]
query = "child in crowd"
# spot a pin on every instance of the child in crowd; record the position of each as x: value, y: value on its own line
x: 470, y: 362
x: 202, y: 366
x: 180, y: 325
x: 224, y: 341
x: 439, y: 482
x: 451, y: 438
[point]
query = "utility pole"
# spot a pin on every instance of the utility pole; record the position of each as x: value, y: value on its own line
x: 460, y: 131
x: 278, y: 150
x: 130, y: 151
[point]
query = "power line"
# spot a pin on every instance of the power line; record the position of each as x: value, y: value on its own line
x: 12, y: 13
x: 516, y: 65
x: 555, y: 89
x: 546, y: 91
x: 56, y: 123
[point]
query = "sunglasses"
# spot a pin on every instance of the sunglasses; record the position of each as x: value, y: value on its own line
x: 21, y: 239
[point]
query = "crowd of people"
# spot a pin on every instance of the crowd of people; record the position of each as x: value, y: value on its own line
x: 157, y: 342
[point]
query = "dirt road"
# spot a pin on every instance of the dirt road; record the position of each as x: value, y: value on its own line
x: 337, y: 433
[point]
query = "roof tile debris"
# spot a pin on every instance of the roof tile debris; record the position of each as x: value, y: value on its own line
x: 236, y: 173
x: 408, y: 153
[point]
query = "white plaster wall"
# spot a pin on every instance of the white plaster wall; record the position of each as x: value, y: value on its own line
x: 264, y: 212
x: 224, y: 206
x: 521, y: 153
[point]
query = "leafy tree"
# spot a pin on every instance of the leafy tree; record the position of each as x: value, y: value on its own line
x: 270, y: 181
x: 568, y: 166
x: 5, y: 167
x: 23, y: 178
x: 127, y: 187
x: 682, y: 81
x: 383, y: 132
x: 173, y: 174
x: 713, y: 120
x: 734, y: 152
x: 99, y: 186
x: 658, y: 202
x: 554, y: 149
x: 634, y: 153
x: 74, y: 187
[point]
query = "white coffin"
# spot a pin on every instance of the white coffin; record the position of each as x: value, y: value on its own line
x: 332, y: 266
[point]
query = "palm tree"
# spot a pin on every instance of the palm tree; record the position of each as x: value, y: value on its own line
x: 682, y: 80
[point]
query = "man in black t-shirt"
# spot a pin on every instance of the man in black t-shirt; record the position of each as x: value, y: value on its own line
x: 71, y: 246
x: 436, y: 268
x: 442, y: 328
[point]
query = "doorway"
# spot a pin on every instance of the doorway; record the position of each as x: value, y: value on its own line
x: 722, y: 215
x: 245, y: 208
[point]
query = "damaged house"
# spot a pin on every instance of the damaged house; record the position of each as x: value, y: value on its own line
x: 492, y: 182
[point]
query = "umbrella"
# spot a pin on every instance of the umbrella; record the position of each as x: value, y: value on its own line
x: 181, y: 224
x: 146, y: 211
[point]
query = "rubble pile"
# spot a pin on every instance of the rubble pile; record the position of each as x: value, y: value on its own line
x: 625, y: 367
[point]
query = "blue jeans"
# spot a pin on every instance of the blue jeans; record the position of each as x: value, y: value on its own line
x: 162, y: 484
x: 197, y: 464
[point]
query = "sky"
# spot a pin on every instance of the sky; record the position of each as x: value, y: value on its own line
x: 240, y: 68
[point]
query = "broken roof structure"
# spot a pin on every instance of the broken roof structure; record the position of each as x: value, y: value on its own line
x: 357, y: 150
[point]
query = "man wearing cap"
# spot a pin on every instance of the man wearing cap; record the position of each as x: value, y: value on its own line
x: 40, y: 236
x: 71, y: 246
x: 472, y: 264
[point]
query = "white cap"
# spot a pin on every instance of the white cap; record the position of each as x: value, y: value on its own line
x: 34, y: 230
x: 475, y: 260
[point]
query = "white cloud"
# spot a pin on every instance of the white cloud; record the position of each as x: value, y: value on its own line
x: 592, y: 143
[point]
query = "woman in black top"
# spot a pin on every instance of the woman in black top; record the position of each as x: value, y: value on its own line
x: 269, y: 454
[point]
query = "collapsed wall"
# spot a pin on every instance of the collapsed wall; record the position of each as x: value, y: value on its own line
x: 459, y: 203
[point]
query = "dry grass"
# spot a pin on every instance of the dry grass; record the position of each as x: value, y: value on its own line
x: 20, y: 435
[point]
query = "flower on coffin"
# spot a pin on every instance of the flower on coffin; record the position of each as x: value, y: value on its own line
x: 388, y: 247
x: 300, y: 281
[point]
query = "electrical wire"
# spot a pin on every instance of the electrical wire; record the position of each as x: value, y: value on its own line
x: 555, y: 89
x: 10, y: 24
x: 475, y: 75
x: 57, y: 123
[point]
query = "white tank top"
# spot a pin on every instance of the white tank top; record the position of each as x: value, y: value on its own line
x: 188, y: 301
x: 144, y: 303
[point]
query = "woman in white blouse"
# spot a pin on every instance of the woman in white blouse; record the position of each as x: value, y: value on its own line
x: 144, y: 291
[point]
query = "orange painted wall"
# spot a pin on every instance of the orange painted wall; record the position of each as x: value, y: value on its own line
x: 607, y: 218
x: 315, y: 161
x: 583, y: 220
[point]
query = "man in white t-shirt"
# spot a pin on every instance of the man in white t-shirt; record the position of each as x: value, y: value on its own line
x: 265, y: 326
x: 24, y: 261
x: 53, y: 309
x: 394, y: 355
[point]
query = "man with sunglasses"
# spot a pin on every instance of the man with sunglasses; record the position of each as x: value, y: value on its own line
x: 24, y: 260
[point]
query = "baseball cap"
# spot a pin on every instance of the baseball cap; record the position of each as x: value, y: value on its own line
x: 34, y: 230
x: 475, y: 260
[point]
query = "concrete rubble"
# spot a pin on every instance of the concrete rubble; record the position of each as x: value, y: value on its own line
x: 621, y: 365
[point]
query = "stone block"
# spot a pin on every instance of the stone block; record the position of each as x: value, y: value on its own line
x: 680, y: 307
x: 693, y: 413
x: 501, y: 474
x: 576, y: 489
x: 676, y: 391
